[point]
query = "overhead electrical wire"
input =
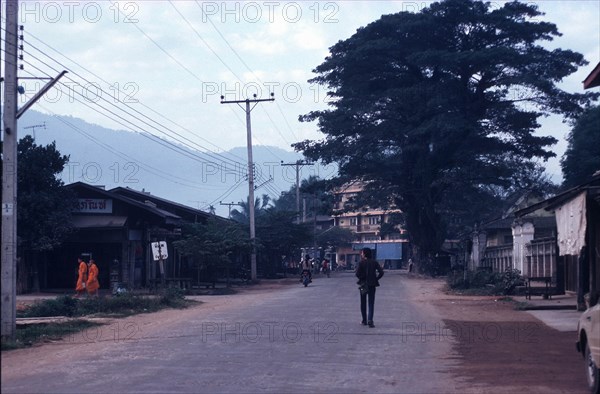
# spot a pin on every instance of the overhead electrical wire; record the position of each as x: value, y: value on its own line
x: 210, y: 48
x: 120, y: 91
x: 248, y: 68
x: 168, y: 132
x: 225, y: 64
x: 212, y: 155
x: 149, y: 168
x: 154, y: 138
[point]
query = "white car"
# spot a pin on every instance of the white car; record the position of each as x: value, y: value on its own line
x: 588, y: 342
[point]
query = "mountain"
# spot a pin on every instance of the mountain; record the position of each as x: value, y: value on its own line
x: 192, y: 177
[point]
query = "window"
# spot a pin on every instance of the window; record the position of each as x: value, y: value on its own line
x: 374, y: 219
x: 353, y: 221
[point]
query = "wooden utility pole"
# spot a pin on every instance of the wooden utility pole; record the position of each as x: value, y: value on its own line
x: 249, y: 109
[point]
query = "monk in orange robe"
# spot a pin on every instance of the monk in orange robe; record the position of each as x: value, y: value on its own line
x: 81, y: 278
x: 92, y: 284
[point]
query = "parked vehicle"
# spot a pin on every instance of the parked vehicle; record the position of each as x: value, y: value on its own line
x: 588, y: 342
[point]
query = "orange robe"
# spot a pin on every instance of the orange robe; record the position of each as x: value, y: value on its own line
x: 92, y: 280
x: 82, y: 278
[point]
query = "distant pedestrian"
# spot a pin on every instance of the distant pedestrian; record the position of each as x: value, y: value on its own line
x: 326, y: 267
x: 368, y: 273
x: 81, y: 278
x: 92, y: 284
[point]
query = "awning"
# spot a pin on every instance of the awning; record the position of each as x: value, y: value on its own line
x: 571, y: 224
x: 389, y: 251
x: 98, y: 221
x: 359, y: 246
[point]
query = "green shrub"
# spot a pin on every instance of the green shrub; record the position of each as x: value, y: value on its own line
x: 487, y: 281
x: 123, y: 304
x: 510, y: 280
x: 173, y: 297
x: 43, y: 332
x: 61, y: 306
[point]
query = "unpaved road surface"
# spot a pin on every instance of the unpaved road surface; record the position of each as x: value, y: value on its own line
x: 285, y: 338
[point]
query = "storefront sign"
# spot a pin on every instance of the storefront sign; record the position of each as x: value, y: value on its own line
x: 93, y: 205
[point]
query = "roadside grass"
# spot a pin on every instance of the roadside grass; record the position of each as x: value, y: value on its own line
x: 39, y: 333
x: 66, y: 306
x: 484, y: 283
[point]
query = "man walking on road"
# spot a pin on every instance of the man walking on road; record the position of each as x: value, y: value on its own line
x: 368, y: 273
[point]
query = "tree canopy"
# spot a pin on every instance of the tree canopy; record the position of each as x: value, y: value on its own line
x: 44, y: 206
x: 213, y: 244
x: 582, y: 158
x: 429, y: 106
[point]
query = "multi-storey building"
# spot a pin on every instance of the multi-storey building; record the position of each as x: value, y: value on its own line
x: 366, y: 222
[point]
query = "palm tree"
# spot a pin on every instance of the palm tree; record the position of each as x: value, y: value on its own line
x: 243, y: 214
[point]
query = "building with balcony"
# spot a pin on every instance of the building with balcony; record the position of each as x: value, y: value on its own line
x: 389, y: 243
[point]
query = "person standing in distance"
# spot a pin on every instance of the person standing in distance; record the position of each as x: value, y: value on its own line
x: 81, y: 277
x: 369, y: 271
x: 92, y: 284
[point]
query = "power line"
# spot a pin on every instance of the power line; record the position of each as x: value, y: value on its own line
x: 119, y: 90
x: 248, y: 68
x: 144, y: 133
x: 169, y: 55
x: 221, y: 157
x: 101, y: 97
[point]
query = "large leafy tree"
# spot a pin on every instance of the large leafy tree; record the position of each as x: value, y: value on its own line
x: 278, y: 235
x: 429, y: 106
x: 213, y: 246
x: 582, y: 158
x: 44, y: 205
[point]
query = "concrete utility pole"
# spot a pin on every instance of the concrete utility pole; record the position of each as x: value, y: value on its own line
x: 298, y: 164
x: 9, y: 170
x: 249, y: 109
x: 9, y: 176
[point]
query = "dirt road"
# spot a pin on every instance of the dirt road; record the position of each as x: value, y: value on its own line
x: 490, y: 346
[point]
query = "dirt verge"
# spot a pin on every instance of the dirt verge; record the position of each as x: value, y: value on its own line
x: 503, y: 350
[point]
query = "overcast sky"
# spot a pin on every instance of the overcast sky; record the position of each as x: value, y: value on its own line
x: 171, y: 62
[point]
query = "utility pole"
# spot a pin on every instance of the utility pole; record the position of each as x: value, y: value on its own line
x: 9, y: 169
x: 298, y: 164
x: 229, y: 205
x: 249, y: 109
x: 9, y: 176
x: 33, y: 127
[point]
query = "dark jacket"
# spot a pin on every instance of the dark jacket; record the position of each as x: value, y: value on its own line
x: 369, y: 270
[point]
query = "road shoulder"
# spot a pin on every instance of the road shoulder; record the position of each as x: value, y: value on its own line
x: 499, y: 348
